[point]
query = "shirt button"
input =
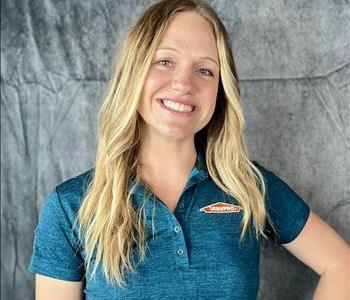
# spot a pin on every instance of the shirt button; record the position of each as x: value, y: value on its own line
x: 182, y: 205
x: 180, y: 251
x: 176, y: 228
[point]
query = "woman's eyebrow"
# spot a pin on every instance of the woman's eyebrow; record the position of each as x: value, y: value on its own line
x: 176, y: 50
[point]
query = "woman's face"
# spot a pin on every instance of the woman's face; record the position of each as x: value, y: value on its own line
x: 179, y: 95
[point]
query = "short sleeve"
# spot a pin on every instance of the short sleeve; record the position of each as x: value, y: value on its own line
x: 55, y: 248
x: 287, y: 210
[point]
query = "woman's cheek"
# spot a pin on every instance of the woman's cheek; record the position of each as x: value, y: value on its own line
x: 159, y: 77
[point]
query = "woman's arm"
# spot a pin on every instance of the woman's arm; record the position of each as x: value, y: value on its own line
x: 323, y: 250
x: 55, y: 289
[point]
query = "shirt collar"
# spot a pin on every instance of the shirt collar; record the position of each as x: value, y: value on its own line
x: 199, y: 172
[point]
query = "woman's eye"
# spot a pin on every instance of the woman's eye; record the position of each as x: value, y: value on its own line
x: 164, y: 62
x: 206, y: 72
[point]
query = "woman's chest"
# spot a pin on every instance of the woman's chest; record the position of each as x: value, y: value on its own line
x: 191, y: 253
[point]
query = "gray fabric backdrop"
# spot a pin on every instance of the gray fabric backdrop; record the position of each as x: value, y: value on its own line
x: 293, y: 61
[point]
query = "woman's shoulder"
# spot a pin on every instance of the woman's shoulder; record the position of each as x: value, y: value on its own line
x: 75, y: 185
x: 70, y: 192
x: 273, y: 179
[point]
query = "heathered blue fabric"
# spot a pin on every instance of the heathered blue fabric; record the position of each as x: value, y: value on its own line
x: 191, y: 254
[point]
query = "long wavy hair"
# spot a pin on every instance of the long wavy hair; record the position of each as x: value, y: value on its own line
x: 110, y: 226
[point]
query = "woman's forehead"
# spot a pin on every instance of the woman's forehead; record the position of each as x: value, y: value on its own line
x: 188, y: 30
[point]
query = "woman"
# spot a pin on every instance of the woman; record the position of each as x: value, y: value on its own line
x: 174, y: 208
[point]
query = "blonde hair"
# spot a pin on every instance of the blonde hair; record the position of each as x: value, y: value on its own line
x: 108, y: 222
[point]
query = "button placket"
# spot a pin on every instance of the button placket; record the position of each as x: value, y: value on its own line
x: 179, y: 244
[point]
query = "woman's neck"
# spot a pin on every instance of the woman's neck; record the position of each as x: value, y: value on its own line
x: 166, y: 160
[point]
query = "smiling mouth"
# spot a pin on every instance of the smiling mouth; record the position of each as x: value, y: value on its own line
x: 177, y: 107
x: 185, y: 110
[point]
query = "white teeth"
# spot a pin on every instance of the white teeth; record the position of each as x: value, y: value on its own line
x: 177, y: 106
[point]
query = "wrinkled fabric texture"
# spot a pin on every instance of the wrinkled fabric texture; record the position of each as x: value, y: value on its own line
x: 191, y: 253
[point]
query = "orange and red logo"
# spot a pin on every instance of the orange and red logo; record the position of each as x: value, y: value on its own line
x: 221, y: 208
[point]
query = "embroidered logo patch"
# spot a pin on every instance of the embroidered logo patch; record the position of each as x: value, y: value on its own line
x: 221, y: 208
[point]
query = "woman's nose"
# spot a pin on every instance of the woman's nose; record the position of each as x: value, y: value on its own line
x: 183, y: 80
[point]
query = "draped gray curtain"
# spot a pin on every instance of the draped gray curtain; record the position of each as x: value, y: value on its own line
x: 293, y: 59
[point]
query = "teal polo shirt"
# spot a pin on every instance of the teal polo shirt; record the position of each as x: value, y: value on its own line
x: 192, y: 253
